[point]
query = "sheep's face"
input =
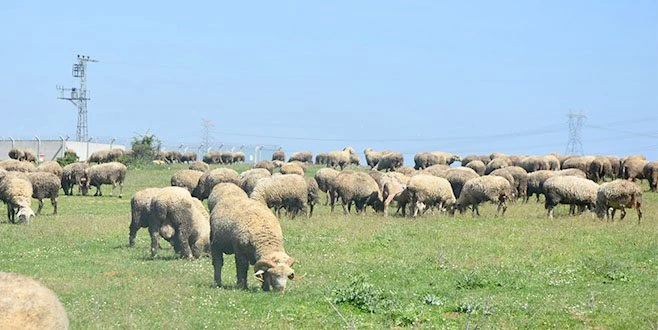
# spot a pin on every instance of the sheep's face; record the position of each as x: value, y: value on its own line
x: 84, y: 186
x: 277, y: 277
x: 24, y: 215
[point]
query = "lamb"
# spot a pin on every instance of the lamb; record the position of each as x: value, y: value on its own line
x: 288, y: 191
x: 200, y: 166
x: 431, y: 191
x: 51, y: 166
x: 482, y: 189
x: 17, y: 166
x: 279, y: 155
x: 651, y: 174
x: 222, y: 191
x: 266, y: 164
x: 112, y: 173
x: 599, y: 168
x: 569, y: 190
x: 633, y: 167
x: 618, y: 194
x: 45, y: 185
x: 358, y: 188
x: 477, y: 165
x: 210, y: 179
x: 390, y: 161
x: 313, y: 194
x: 73, y: 174
x: 248, y: 179
x: 16, y: 192
x: 248, y: 229
x: 175, y: 207
x: 291, y: 168
x: 341, y: 158
x: 28, y: 304
x: 324, y: 177
x: 302, y: 156
x: 188, y: 179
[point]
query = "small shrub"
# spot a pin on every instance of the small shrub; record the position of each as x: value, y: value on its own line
x: 363, y: 296
x: 470, y: 280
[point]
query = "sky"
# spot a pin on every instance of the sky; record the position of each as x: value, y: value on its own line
x: 470, y: 77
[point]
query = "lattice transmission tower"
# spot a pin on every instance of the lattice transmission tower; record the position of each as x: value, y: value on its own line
x: 575, y: 144
x: 207, y: 124
x: 79, y: 96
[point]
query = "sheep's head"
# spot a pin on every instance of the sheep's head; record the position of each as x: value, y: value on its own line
x: 84, y: 185
x: 274, y: 273
x: 24, y: 215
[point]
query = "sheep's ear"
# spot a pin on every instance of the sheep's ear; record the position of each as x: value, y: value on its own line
x: 290, y: 261
x: 259, y: 275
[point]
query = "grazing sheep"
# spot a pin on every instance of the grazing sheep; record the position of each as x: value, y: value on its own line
x: 570, y: 190
x: 599, y: 168
x: 211, y: 178
x: 395, y: 190
x: 497, y: 163
x: 291, y: 168
x: 249, y: 230
x: 618, y: 194
x: 288, y: 191
x: 17, y: 166
x: 651, y: 174
x: 322, y: 158
x: 188, y: 157
x: 188, y: 179
x: 341, y: 158
x: 481, y: 189
x: 535, y: 163
x: 248, y: 179
x: 406, y: 170
x: 73, y: 174
x: 279, y: 155
x: 170, y: 156
x: 501, y: 172
x: 485, y: 159
x: 390, y: 161
x: 26, y: 303
x: 581, y: 163
x: 17, y: 154
x: 436, y: 170
x: 16, y: 192
x: 324, y: 177
x: 423, y: 160
x: 200, y: 166
x: 45, y: 185
x: 430, y: 190
x: 358, y: 188
x: 633, y: 167
x: 458, y: 176
x: 266, y: 164
x: 212, y: 157
x: 572, y: 172
x: 520, y: 180
x: 107, y: 173
x: 99, y: 156
x: 617, y: 171
x: 302, y: 156
x: 175, y: 207
x: 51, y: 166
x: 373, y: 157
x: 536, y: 180
x: 477, y: 165
x: 222, y: 191
x: 140, y: 211
x: 313, y: 194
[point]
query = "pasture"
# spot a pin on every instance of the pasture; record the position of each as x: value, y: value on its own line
x: 518, y: 271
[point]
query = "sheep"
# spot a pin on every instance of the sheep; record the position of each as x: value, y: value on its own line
x: 248, y: 179
x: 279, y: 155
x: 581, y: 163
x: 483, y: 158
x: 618, y: 194
x: 482, y: 189
x: 324, y: 177
x: 476, y: 165
x: 188, y: 157
x: 431, y: 191
x: 73, y: 174
x: 212, y: 157
x: 599, y: 168
x: 107, y: 173
x: 28, y: 304
x: 45, y: 185
x: 17, y: 154
x: 423, y: 160
x: 170, y: 156
x: 99, y: 156
x: 140, y: 210
x: 222, y: 191
x: 358, y: 188
x: 520, y: 180
x: 16, y: 192
x: 17, y: 166
x: 200, y: 166
x: 313, y: 194
x: 436, y: 170
x: 501, y: 172
x: 406, y: 170
x: 188, y: 179
x: 572, y: 172
x: 248, y: 229
x: 288, y: 191
x: 238, y: 157
x: 535, y: 163
x: 373, y: 157
x: 291, y: 168
x: 651, y: 174
x: 175, y: 207
x: 569, y: 190
x: 536, y: 180
x: 615, y: 162
x: 51, y: 166
x: 321, y: 158
x: 210, y: 179
x: 392, y: 186
x: 633, y: 167
x: 390, y: 161
x: 302, y: 156
x: 341, y: 158
x: 497, y: 163
x: 458, y: 176
x: 266, y: 164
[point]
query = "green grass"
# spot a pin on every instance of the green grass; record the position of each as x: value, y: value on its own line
x: 520, y: 271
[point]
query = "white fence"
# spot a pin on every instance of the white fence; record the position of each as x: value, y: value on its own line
x: 52, y: 149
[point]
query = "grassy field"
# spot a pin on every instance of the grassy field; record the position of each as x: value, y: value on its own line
x: 520, y: 271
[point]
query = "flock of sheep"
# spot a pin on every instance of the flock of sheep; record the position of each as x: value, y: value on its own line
x: 243, y: 208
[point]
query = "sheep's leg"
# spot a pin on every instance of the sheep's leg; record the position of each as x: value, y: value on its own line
x: 114, y: 185
x: 476, y: 210
x: 501, y: 206
x: 550, y: 212
x: 623, y: 213
x: 98, y: 191
x: 638, y: 208
x: 40, y: 206
x: 310, y: 212
x: 53, y: 201
x: 179, y: 240
x: 242, y: 267
x: 133, y: 233
x: 196, y: 249
x: 612, y: 216
x: 120, y: 189
x: 153, y: 231
x: 217, y: 263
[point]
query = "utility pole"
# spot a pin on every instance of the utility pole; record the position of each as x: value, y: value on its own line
x: 207, y: 125
x: 575, y: 144
x: 79, y: 96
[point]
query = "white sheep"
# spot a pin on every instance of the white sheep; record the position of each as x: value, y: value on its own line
x: 26, y: 303
x: 618, y: 194
x: 287, y: 191
x: 482, y: 189
x: 431, y: 191
x: 113, y: 173
x: 571, y: 190
x: 16, y: 192
x: 188, y: 179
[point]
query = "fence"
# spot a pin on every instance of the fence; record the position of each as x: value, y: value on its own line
x: 52, y: 149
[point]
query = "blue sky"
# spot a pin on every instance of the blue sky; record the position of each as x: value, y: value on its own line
x: 468, y: 77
